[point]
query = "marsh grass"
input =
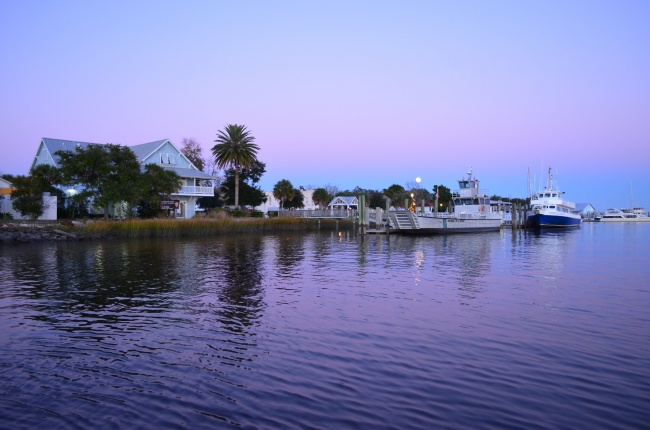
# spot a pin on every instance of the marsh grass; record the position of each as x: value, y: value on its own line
x: 201, y: 227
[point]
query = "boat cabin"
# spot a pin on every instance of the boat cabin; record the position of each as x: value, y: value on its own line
x: 469, y: 193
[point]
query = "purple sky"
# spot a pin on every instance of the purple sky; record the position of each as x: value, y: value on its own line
x: 362, y: 93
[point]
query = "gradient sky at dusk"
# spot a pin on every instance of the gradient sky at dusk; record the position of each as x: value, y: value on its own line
x: 346, y: 93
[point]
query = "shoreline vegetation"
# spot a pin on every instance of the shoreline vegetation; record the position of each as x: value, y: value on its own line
x: 21, y: 232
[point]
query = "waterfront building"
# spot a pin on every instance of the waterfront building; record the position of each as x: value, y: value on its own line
x: 343, y: 202
x: 273, y: 205
x: 194, y: 182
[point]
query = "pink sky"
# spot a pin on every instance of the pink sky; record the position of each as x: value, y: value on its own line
x: 346, y: 93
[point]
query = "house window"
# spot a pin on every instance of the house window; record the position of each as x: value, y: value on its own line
x: 167, y: 158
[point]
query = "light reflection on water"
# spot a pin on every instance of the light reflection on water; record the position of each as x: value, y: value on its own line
x: 519, y: 330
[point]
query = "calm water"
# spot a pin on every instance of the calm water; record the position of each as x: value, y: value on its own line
x: 494, y: 330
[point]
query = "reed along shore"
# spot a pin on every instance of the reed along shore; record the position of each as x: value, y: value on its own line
x: 199, y: 227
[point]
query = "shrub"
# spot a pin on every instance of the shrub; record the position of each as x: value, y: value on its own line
x: 239, y: 213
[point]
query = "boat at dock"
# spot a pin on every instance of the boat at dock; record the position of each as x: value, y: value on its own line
x: 471, y: 213
x: 549, y: 209
x: 625, y: 215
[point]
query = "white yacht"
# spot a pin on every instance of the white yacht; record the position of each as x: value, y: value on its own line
x: 626, y: 215
x: 550, y: 210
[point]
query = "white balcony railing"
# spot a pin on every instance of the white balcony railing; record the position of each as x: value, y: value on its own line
x: 195, y: 191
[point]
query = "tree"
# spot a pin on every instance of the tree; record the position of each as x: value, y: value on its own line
x: 397, y: 194
x: 444, y: 197
x: 209, y: 203
x: 249, y: 194
x: 155, y: 183
x: 298, y: 200
x: 27, y: 197
x: 193, y: 151
x: 332, y: 190
x: 235, y: 149
x: 27, y: 194
x: 283, y: 191
x: 106, y: 173
x: 321, y: 197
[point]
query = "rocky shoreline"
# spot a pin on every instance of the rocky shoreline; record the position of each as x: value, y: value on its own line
x: 26, y: 233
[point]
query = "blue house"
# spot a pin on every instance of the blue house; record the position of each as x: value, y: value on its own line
x: 194, y: 182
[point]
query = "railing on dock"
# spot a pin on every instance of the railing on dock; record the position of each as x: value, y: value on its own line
x: 319, y: 213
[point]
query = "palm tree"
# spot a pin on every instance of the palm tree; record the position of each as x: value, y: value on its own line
x: 321, y: 197
x: 283, y: 191
x: 235, y: 148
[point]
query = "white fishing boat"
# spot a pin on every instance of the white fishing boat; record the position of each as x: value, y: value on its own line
x: 471, y: 213
x: 625, y: 215
x: 548, y: 209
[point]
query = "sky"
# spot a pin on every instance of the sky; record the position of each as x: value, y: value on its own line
x: 347, y: 93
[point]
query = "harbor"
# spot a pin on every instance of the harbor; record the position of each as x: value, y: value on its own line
x: 472, y: 211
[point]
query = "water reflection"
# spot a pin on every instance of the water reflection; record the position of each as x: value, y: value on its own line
x: 436, y: 262
x: 544, y: 252
x: 66, y: 282
x: 279, y: 331
x: 241, y: 293
x: 289, y: 253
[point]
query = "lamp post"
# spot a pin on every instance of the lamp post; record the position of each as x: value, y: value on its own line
x: 417, y: 192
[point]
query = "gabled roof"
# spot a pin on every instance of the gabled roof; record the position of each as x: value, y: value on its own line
x: 145, y: 150
x: 142, y: 152
x: 344, y: 200
x: 582, y: 206
x: 54, y: 145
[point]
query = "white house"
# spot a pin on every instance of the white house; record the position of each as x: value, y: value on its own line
x: 161, y: 152
x: 6, y: 205
x: 273, y: 204
x: 344, y: 202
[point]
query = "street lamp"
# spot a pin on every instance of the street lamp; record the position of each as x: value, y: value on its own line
x: 417, y: 191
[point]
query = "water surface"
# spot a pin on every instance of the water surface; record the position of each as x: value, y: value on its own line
x: 326, y: 330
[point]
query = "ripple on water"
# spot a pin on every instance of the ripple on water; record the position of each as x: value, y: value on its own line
x: 326, y: 331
